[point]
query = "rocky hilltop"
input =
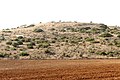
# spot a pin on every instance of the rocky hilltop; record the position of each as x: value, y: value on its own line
x: 60, y: 40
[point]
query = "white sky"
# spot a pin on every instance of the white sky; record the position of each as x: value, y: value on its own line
x: 18, y: 12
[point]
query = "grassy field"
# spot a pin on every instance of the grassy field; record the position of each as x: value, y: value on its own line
x: 60, y: 69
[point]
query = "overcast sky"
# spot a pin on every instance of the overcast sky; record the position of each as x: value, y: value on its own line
x: 17, y: 12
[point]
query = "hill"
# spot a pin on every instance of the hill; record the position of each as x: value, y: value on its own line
x: 60, y: 40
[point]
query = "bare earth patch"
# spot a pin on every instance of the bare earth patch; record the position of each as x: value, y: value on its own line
x: 60, y: 69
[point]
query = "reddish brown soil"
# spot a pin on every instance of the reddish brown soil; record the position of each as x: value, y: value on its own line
x: 59, y: 69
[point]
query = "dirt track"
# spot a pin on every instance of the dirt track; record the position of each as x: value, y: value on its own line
x: 60, y: 70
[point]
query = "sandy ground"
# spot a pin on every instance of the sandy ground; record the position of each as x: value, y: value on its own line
x: 59, y: 69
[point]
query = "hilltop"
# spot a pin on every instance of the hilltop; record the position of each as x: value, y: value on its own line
x: 60, y: 40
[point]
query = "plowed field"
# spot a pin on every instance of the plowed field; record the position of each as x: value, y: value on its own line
x: 59, y: 69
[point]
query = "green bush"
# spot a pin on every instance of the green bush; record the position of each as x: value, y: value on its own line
x: 89, y: 39
x: 53, y: 41
x: 103, y: 26
x: 3, y: 55
x: 15, y: 44
x: 16, y: 39
x: 106, y: 35
x: 95, y: 41
x: 102, y: 53
x: 32, y: 43
x: 20, y: 37
x: 30, y: 46
x: 118, y: 36
x: 28, y: 39
x: 32, y: 25
x: 7, y: 31
x: 43, y: 45
x: 49, y: 52
x: 20, y: 42
x: 52, y: 29
x: 23, y: 53
x: 111, y: 53
x: 9, y: 42
x: 38, y: 30
x: 13, y: 48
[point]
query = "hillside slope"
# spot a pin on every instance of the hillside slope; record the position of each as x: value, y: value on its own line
x: 60, y: 40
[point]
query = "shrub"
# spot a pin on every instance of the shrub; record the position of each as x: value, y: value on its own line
x: 3, y: 55
x: 102, y: 53
x: 43, y: 45
x: 16, y: 39
x: 38, y: 30
x: 13, y: 48
x: 103, y: 26
x: 20, y: 37
x: 53, y: 41
x: 74, y: 41
x: 15, y: 44
x: 116, y: 43
x: 2, y: 37
x: 32, y: 25
x: 9, y: 42
x: 85, y: 28
x: 49, y: 52
x: 28, y: 39
x: 118, y: 36
x: 30, y: 45
x: 111, y: 53
x: 7, y: 48
x: 7, y: 31
x: 89, y: 39
x: 20, y: 42
x: 23, y: 53
x: 52, y: 29
x: 106, y: 35
x: 95, y: 41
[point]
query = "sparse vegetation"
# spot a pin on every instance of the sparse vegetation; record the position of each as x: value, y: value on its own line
x: 61, y: 40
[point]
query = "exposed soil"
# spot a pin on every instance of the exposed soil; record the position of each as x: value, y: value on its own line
x: 59, y: 69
